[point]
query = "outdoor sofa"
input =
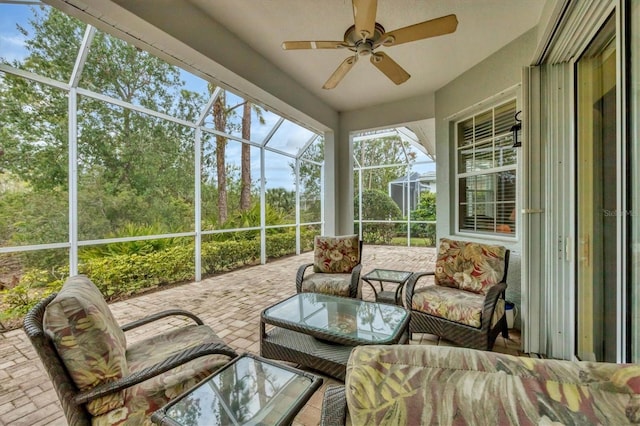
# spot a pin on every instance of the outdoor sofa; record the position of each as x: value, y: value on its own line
x: 435, y: 385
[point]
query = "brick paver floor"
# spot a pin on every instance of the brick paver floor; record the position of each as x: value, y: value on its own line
x: 230, y: 303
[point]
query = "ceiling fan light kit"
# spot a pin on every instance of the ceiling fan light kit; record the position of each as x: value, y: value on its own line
x: 366, y: 35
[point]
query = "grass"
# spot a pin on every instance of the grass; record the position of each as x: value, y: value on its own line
x: 415, y: 242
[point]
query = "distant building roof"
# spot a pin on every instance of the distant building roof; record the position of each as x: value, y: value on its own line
x: 428, y: 176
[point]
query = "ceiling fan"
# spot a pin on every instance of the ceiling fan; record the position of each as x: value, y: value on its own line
x: 367, y: 35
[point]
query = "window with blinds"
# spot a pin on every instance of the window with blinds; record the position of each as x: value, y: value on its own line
x: 486, y: 171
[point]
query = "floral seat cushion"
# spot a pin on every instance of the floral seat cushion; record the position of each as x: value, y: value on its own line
x: 336, y: 254
x: 143, y: 399
x: 469, y: 266
x: 416, y: 384
x: 93, y: 348
x: 334, y: 284
x: 463, y: 307
x: 88, y: 339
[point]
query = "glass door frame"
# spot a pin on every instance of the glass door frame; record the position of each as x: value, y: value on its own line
x: 623, y: 336
x: 598, y: 228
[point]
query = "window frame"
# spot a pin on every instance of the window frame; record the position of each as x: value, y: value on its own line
x: 479, y: 110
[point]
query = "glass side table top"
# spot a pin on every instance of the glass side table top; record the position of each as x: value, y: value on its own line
x: 388, y: 275
x: 339, y: 319
x: 249, y: 390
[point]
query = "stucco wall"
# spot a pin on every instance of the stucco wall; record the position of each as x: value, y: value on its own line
x: 479, y: 87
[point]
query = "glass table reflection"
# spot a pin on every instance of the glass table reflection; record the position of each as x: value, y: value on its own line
x: 339, y: 319
x: 319, y: 330
x: 249, y: 390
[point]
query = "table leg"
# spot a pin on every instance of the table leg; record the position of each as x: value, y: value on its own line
x: 375, y: 293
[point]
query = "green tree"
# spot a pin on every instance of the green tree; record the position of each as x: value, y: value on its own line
x: 425, y: 211
x: 245, y: 160
x: 282, y: 200
x: 309, y: 187
x: 377, y: 205
x: 223, y: 121
x: 387, y: 151
x: 220, y: 120
x: 132, y: 168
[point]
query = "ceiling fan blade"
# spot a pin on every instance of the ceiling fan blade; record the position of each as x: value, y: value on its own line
x: 433, y: 28
x: 340, y: 72
x: 292, y: 45
x: 390, y: 68
x: 364, y: 16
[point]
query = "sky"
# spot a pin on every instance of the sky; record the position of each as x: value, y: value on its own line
x: 289, y: 137
x: 11, y: 41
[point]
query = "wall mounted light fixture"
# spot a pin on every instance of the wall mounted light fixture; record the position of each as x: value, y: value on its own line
x: 516, y: 129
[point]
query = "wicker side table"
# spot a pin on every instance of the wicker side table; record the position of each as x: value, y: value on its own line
x: 399, y: 278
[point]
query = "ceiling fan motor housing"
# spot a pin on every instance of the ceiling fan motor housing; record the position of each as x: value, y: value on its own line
x: 352, y: 38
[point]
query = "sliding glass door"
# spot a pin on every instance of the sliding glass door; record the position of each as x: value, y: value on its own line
x: 633, y: 330
x: 597, y: 199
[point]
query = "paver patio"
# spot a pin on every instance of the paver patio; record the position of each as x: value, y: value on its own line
x: 230, y: 303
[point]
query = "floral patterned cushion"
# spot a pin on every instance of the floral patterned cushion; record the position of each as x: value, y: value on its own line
x: 463, y: 307
x: 469, y: 266
x: 335, y: 284
x: 336, y: 254
x: 88, y: 339
x: 145, y: 398
x: 418, y: 384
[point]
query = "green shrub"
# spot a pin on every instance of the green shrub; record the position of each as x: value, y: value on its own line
x: 279, y: 245
x: 377, y: 205
x: 223, y: 256
x: 307, y: 236
x: 132, y: 247
x: 34, y: 285
x: 426, y: 211
x: 121, y: 275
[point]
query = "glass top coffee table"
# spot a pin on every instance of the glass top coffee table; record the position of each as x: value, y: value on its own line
x: 248, y: 390
x: 319, y: 330
x: 388, y: 276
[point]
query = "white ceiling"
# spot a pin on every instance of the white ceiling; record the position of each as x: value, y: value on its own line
x: 484, y: 26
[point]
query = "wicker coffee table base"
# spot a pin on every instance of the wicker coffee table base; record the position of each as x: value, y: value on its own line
x: 299, y: 348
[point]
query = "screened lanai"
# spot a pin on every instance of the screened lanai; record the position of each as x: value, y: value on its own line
x: 119, y: 165
x: 388, y: 164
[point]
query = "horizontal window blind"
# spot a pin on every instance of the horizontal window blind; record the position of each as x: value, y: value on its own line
x: 486, y: 171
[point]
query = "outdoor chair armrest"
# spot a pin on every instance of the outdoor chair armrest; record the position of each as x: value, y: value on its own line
x: 490, y: 301
x: 149, y: 372
x: 160, y: 315
x: 334, y: 406
x: 300, y: 276
x: 355, y: 282
x: 410, y: 287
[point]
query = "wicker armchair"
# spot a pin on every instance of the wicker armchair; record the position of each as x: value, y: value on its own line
x: 336, y: 267
x: 101, y: 380
x: 466, y: 304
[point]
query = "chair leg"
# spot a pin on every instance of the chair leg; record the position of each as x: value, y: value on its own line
x: 505, y: 329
